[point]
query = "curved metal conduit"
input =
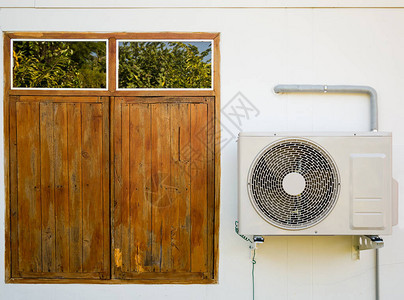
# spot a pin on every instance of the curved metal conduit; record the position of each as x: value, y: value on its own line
x: 343, y: 89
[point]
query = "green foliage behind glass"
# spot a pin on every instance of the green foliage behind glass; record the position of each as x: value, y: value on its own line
x: 164, y: 65
x: 54, y: 64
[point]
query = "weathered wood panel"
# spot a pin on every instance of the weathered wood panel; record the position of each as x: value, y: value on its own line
x: 92, y: 167
x: 199, y: 199
x: 125, y: 208
x: 140, y: 187
x: 74, y: 137
x: 60, y: 174
x: 213, y: 206
x: 13, y: 190
x: 61, y: 182
x: 160, y: 176
x: 161, y: 189
x: 47, y: 188
x: 29, y: 191
x: 163, y: 209
x: 181, y: 195
x: 116, y: 222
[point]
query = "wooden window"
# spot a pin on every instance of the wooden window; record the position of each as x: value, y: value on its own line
x: 114, y: 185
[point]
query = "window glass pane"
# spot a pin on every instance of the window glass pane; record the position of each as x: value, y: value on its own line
x: 163, y: 64
x: 59, y: 64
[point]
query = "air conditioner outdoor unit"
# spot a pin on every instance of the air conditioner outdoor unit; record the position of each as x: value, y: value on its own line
x: 315, y: 183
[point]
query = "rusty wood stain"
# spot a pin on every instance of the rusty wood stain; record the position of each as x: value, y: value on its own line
x: 118, y: 258
x: 138, y: 261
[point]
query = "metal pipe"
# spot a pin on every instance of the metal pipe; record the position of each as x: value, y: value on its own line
x: 345, y: 89
x: 377, y: 283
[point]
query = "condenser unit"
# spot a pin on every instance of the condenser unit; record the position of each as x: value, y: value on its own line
x: 315, y: 183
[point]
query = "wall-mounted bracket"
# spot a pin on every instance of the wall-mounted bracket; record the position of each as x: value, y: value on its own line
x: 258, y: 239
x: 365, y: 242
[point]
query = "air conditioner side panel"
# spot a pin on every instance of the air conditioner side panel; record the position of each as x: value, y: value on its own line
x: 367, y: 195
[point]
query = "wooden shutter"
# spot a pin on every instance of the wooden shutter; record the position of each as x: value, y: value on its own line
x: 59, y: 176
x: 163, y: 210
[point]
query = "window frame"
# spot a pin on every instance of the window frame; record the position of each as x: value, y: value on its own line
x: 111, y: 91
x: 112, y: 57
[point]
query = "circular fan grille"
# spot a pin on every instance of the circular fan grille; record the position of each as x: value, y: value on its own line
x: 318, y: 190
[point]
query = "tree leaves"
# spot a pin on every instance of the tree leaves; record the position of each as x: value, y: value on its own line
x: 51, y: 64
x: 57, y: 64
x: 163, y: 65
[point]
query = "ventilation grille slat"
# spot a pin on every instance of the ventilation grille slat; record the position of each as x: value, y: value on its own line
x: 279, y: 207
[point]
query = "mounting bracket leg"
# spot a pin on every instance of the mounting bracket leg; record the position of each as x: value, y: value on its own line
x: 365, y: 242
x: 258, y: 239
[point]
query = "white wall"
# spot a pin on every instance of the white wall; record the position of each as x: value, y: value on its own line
x: 259, y: 49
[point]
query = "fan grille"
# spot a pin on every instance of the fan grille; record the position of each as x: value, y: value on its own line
x: 281, y: 208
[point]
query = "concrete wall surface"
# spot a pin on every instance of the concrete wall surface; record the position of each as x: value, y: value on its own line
x: 262, y: 47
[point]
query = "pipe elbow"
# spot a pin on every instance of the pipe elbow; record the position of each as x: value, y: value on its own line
x: 370, y: 91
